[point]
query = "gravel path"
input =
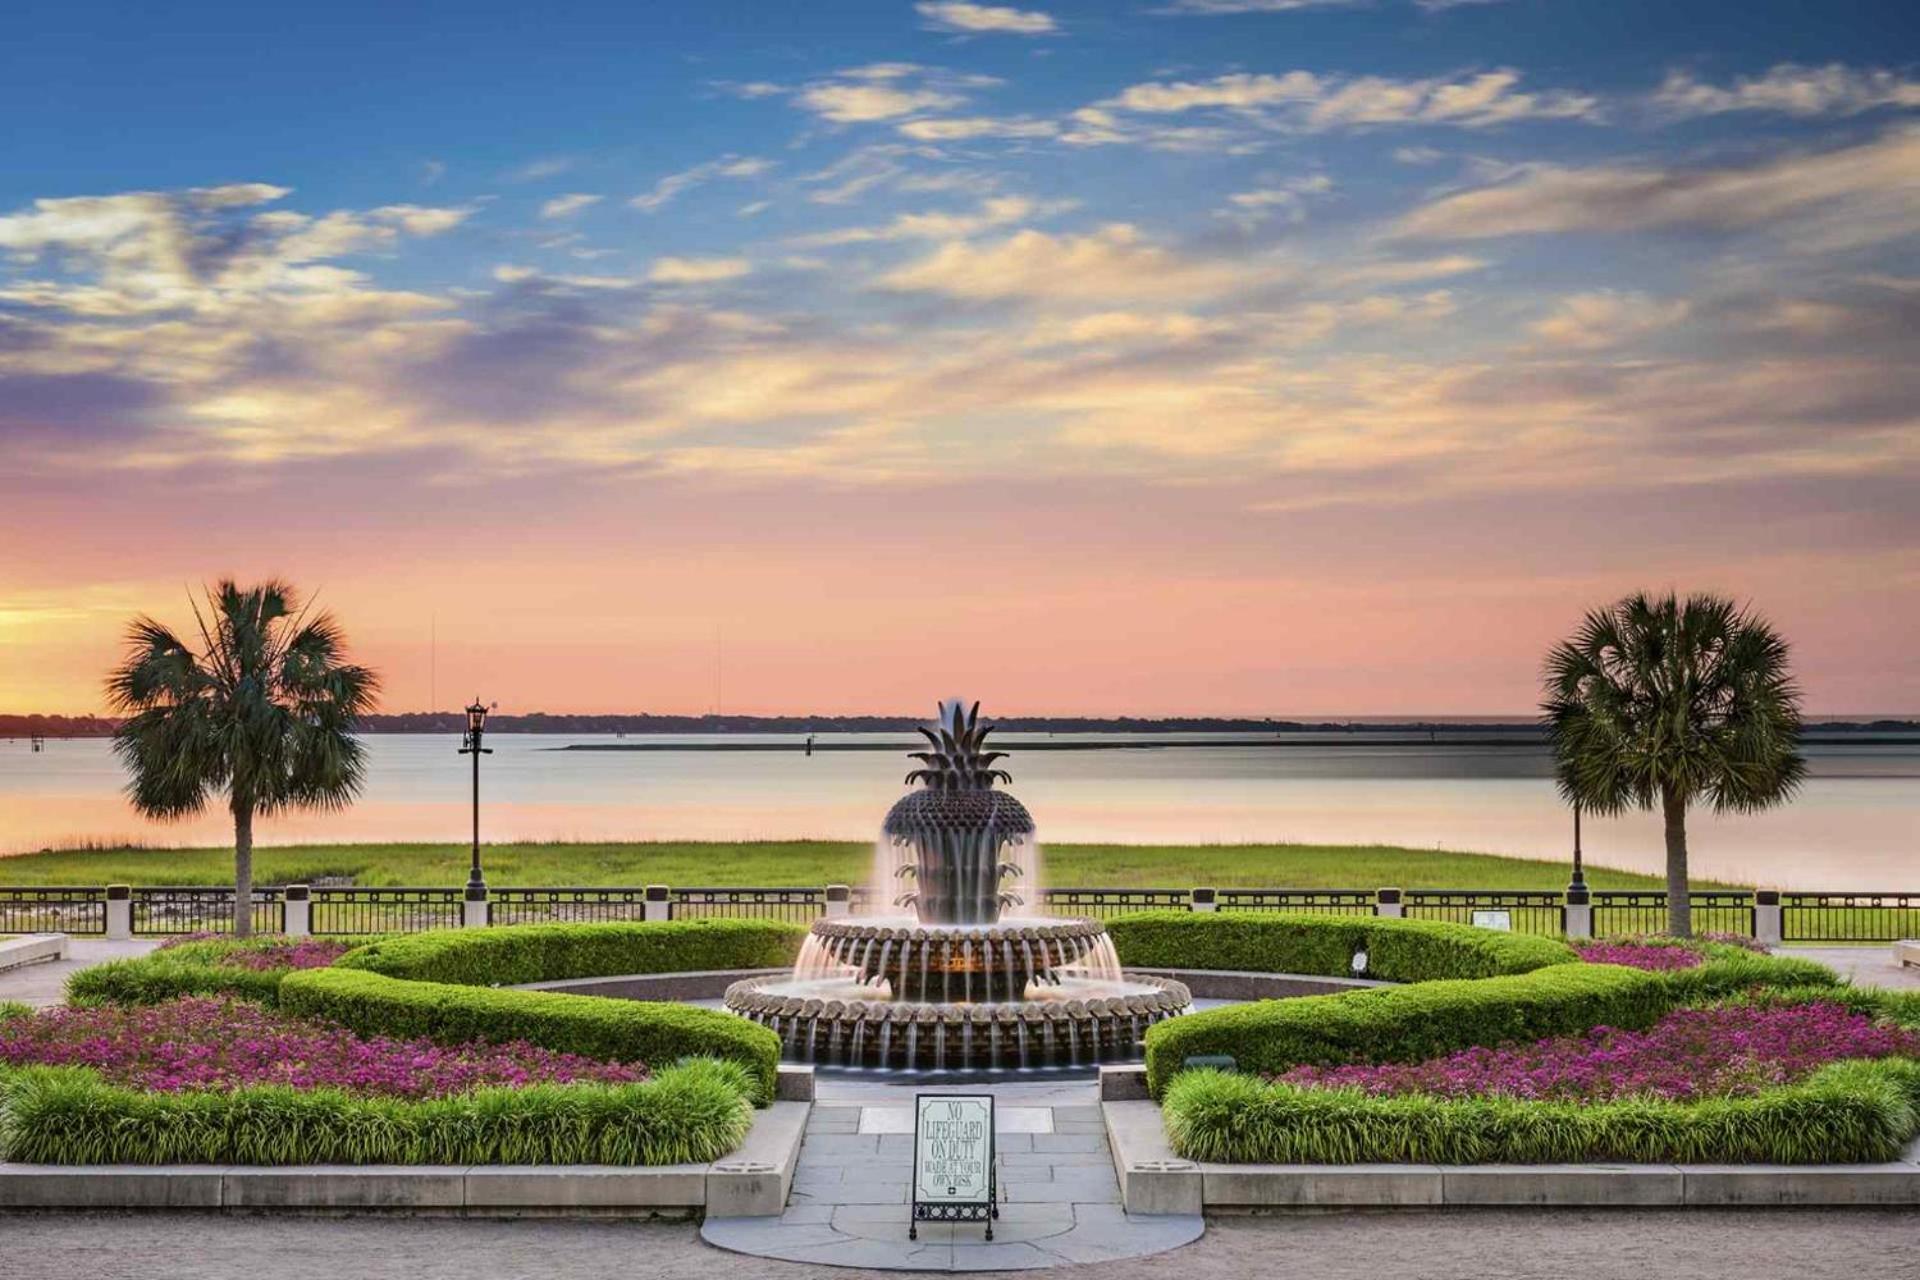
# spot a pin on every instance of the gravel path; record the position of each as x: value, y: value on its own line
x: 1488, y: 1245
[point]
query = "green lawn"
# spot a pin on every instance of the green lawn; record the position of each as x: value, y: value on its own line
x: 810, y: 862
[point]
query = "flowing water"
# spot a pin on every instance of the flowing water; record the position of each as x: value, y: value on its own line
x: 1856, y: 824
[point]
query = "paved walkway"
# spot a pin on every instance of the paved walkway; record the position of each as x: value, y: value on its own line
x: 1869, y: 966
x: 1060, y: 1202
x: 45, y: 984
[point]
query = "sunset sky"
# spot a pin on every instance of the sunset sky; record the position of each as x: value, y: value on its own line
x: 1134, y: 356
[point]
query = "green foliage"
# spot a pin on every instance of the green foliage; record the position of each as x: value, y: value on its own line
x: 1426, y: 1019
x: 14, y: 1009
x: 1397, y: 950
x: 691, y: 1113
x: 189, y: 969
x: 516, y: 954
x: 1845, y: 1113
x: 611, y: 1030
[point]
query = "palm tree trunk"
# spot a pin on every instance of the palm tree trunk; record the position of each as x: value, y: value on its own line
x: 1679, y: 909
x: 242, y: 869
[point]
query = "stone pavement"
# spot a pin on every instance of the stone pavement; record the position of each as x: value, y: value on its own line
x: 1060, y: 1202
x: 45, y: 984
x: 1869, y: 966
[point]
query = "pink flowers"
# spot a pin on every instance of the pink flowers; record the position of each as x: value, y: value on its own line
x: 268, y: 954
x: 1727, y: 1050
x: 1640, y: 955
x: 211, y: 1044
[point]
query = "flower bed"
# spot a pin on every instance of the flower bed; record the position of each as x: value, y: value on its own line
x: 261, y: 954
x: 1722, y: 1051
x: 198, y: 1043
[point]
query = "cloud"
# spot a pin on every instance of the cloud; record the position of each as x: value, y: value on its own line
x: 1790, y: 89
x: 959, y: 129
x: 697, y: 270
x: 1285, y: 200
x: 1111, y: 264
x: 675, y: 184
x: 1847, y: 196
x: 420, y: 220
x: 996, y: 212
x: 1302, y: 101
x: 568, y: 205
x: 541, y: 169
x: 883, y: 91
x: 1595, y: 321
x: 981, y: 19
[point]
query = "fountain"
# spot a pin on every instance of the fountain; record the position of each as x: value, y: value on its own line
x: 969, y: 980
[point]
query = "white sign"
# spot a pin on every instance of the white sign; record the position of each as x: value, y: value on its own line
x: 1501, y: 920
x: 952, y: 1148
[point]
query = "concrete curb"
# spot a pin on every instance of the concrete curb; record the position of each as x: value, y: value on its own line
x: 751, y: 1181
x: 32, y: 948
x: 1155, y: 1180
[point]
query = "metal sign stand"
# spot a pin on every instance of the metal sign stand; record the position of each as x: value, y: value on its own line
x: 946, y: 1163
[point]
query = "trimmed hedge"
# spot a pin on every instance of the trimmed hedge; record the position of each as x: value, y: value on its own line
x: 1324, y: 945
x: 594, y: 1026
x: 1424, y: 1020
x: 694, y: 1112
x: 514, y: 954
x: 192, y: 969
x: 1848, y: 1112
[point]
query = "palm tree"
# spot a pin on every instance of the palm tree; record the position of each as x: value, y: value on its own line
x: 263, y: 713
x: 1679, y: 702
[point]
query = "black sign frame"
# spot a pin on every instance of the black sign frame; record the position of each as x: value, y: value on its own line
x: 955, y: 1210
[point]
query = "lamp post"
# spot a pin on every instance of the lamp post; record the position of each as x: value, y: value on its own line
x: 470, y: 746
x: 1579, y: 882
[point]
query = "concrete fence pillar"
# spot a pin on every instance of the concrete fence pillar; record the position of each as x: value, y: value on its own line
x: 1204, y: 900
x: 1767, y: 924
x: 299, y: 907
x: 475, y: 912
x: 1387, y: 903
x: 839, y: 901
x: 658, y: 905
x: 1579, y: 911
x: 119, y: 912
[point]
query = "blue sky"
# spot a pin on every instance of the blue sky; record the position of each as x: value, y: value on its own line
x: 1456, y: 317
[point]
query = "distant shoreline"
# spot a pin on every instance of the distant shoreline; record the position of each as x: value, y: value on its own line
x: 1514, y: 742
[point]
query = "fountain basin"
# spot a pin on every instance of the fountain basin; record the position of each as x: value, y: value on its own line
x: 955, y: 963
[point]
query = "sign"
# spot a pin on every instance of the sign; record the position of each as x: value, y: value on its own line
x: 1501, y: 920
x: 953, y: 1163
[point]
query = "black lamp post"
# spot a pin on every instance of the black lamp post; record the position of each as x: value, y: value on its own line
x: 1579, y: 883
x: 470, y: 746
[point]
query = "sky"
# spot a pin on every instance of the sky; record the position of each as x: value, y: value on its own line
x: 1289, y: 357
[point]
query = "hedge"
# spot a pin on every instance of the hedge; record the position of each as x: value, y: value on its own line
x: 597, y: 1027
x: 516, y: 954
x: 1848, y: 1112
x: 1282, y: 942
x: 1424, y: 1020
x: 690, y: 1113
x: 189, y: 969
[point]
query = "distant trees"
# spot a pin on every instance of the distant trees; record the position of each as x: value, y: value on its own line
x: 261, y: 712
x: 1654, y: 699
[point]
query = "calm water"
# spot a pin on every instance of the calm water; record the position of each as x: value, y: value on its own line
x: 1855, y: 826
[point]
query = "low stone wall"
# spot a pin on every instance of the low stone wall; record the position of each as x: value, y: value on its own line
x: 710, y: 984
x: 32, y: 948
x: 1237, y: 984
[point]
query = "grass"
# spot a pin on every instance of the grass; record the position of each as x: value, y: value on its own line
x: 809, y: 862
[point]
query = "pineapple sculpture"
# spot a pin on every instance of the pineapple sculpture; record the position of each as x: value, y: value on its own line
x: 958, y: 826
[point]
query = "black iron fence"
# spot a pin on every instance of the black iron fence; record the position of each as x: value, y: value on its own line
x: 337, y: 910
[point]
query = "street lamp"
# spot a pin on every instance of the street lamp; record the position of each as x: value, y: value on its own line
x: 470, y: 746
x: 1579, y: 882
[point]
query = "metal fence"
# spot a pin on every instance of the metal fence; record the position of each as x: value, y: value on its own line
x: 1331, y: 902
x: 172, y: 910
x: 572, y: 906
x: 1645, y: 911
x: 1522, y: 912
x: 1849, y: 917
x: 798, y: 905
x: 53, y: 910
x: 1104, y: 904
x: 353, y: 910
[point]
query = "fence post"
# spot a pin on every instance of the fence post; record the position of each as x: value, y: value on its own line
x: 1579, y: 914
x: 658, y: 906
x: 119, y: 913
x: 1387, y: 903
x: 1203, y: 900
x: 839, y: 902
x: 474, y: 913
x: 1767, y: 924
x: 299, y: 911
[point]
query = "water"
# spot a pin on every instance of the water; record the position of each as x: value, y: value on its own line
x: 1856, y: 825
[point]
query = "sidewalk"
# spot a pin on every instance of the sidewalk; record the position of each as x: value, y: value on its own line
x: 45, y: 984
x: 1868, y: 966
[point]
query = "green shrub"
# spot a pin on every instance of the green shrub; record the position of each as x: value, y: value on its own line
x: 515, y: 954
x: 14, y: 1009
x: 1407, y: 1023
x: 611, y: 1030
x: 187, y: 969
x: 1397, y: 950
x: 1845, y: 1113
x: 691, y: 1113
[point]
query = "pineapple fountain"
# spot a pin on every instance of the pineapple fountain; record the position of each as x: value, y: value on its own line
x: 968, y: 980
